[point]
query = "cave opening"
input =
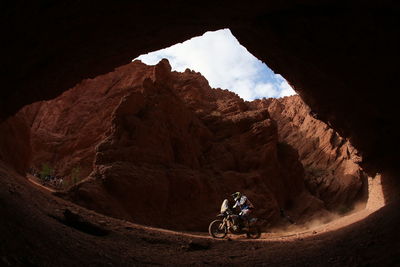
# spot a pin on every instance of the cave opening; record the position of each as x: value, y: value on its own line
x: 300, y: 164
x: 194, y: 141
x: 259, y: 142
x: 348, y: 48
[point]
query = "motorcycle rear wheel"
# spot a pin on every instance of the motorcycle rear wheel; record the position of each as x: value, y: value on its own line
x: 217, y: 229
x: 254, y: 232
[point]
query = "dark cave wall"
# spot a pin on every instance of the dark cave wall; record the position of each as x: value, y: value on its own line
x: 339, y: 56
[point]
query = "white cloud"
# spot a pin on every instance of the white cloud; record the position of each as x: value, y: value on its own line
x: 225, y: 64
x: 285, y: 89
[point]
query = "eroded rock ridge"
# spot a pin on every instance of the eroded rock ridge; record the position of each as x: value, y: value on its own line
x: 162, y: 148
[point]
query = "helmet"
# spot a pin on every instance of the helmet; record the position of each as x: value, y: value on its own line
x: 236, y: 196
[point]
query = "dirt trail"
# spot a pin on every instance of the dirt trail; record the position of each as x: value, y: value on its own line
x: 33, y: 181
x: 46, y: 237
x: 296, y: 232
x: 290, y: 233
x: 315, y: 228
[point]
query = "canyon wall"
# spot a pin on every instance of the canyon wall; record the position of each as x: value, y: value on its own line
x: 66, y: 130
x: 332, y: 171
x: 163, y: 148
x: 144, y: 134
x: 337, y: 55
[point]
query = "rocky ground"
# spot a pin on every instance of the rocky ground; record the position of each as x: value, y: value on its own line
x: 44, y: 230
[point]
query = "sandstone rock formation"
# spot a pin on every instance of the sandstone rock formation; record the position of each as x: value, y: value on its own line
x: 66, y: 130
x: 164, y: 149
x: 335, y: 54
x: 331, y: 163
x: 339, y: 55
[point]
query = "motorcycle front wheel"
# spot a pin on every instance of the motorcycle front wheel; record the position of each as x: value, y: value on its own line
x: 217, y: 229
x: 254, y: 232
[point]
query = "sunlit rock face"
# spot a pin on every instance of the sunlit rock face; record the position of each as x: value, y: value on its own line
x: 331, y: 163
x: 160, y: 144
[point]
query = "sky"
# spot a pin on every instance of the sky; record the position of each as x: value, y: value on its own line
x: 225, y: 63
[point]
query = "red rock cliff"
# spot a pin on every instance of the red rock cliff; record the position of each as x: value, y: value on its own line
x: 66, y: 130
x: 165, y: 148
x: 332, y: 172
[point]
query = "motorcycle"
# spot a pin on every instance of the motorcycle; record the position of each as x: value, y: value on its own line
x: 230, y: 222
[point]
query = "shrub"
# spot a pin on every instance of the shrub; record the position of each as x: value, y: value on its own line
x: 46, y: 171
x: 75, y: 175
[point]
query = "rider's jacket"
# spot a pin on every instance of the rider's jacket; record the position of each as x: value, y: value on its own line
x: 243, y: 203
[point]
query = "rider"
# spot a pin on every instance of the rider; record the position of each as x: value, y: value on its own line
x: 244, y: 204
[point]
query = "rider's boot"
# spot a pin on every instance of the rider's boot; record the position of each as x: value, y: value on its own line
x: 246, y: 226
